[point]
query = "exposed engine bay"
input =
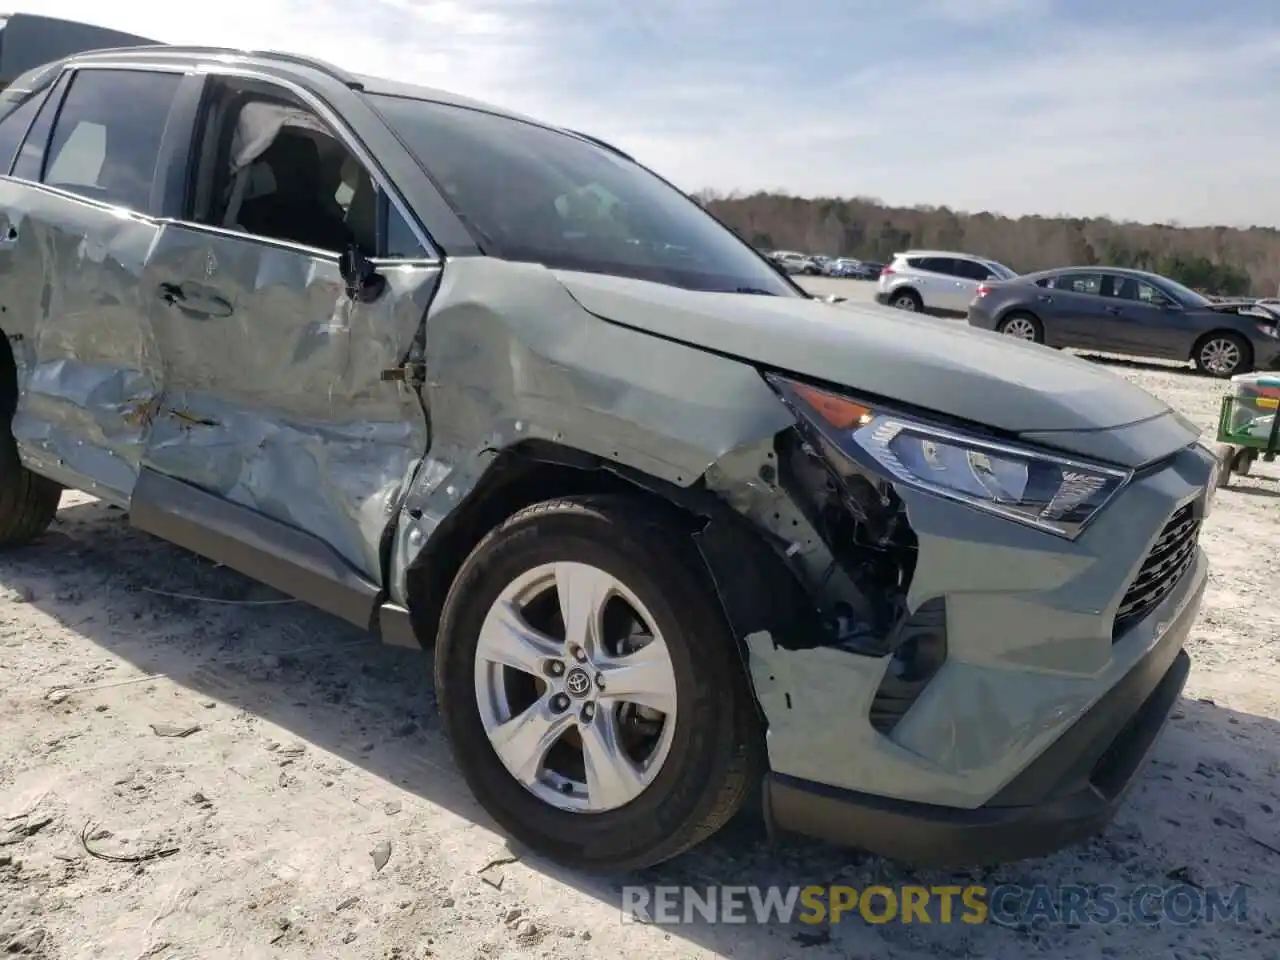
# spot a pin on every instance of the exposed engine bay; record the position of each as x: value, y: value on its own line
x: 864, y: 525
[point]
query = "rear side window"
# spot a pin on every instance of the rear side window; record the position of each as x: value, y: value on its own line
x: 973, y: 270
x: 944, y: 265
x: 14, y: 127
x: 1090, y: 283
x: 30, y: 161
x: 106, y: 139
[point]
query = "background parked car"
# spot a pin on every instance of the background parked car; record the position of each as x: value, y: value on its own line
x: 793, y: 262
x: 1131, y: 312
x: 936, y: 281
x: 851, y: 268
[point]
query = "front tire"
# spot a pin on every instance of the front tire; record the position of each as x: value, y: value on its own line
x: 626, y: 738
x: 1022, y: 326
x: 1223, y: 355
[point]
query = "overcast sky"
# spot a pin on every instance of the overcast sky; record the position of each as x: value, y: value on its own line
x: 1152, y: 110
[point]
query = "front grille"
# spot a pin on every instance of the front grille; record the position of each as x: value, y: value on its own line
x: 1169, y: 559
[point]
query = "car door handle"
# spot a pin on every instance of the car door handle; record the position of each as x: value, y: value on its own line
x: 1114, y: 311
x: 1045, y: 298
x: 195, y: 305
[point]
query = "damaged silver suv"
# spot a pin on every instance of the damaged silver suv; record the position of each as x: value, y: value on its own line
x: 674, y: 528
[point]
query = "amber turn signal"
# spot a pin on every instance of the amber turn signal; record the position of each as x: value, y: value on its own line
x: 841, y: 412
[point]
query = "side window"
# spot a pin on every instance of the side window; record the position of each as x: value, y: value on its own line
x: 29, y: 164
x: 943, y: 265
x: 1133, y: 289
x: 1090, y: 283
x: 14, y: 126
x: 1149, y: 294
x: 106, y: 140
x: 972, y: 270
x: 401, y: 241
x: 269, y: 167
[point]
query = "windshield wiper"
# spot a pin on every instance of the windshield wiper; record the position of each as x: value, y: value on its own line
x: 757, y: 291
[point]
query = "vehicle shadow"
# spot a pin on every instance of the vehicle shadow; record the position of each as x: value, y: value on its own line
x: 1211, y: 785
x: 1272, y: 492
x: 1133, y: 363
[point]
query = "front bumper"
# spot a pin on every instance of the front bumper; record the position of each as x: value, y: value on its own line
x: 882, y: 298
x: 1069, y: 793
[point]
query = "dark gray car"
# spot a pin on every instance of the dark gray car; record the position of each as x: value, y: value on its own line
x: 1130, y: 312
x: 674, y: 529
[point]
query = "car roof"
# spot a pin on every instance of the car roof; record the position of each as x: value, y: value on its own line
x: 944, y: 253
x: 281, y: 62
x: 1097, y: 268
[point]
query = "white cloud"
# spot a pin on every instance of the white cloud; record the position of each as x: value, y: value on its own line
x: 974, y: 103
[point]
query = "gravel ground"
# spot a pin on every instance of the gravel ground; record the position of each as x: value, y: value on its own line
x: 275, y: 785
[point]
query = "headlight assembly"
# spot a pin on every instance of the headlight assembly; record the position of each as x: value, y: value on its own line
x: 1025, y: 485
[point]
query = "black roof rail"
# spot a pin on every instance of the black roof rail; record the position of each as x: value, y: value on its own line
x: 162, y: 49
x: 601, y: 143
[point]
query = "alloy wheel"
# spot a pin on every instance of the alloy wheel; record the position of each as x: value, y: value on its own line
x: 575, y: 687
x: 1220, y: 356
x: 1020, y: 328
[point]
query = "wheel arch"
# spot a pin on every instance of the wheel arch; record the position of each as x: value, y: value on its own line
x: 1204, y: 338
x: 534, y: 471
x: 8, y: 380
x: 1017, y: 310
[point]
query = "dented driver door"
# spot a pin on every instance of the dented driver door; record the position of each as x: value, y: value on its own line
x: 278, y: 402
x: 282, y: 441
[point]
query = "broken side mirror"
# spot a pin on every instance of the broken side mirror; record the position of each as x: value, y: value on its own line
x: 364, y: 283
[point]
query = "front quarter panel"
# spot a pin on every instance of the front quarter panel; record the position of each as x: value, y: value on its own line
x: 511, y: 356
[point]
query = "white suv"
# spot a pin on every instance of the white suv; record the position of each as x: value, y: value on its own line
x: 793, y: 262
x: 936, y: 281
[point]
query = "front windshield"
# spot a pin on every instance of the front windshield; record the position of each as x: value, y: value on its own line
x: 1188, y: 296
x: 536, y: 195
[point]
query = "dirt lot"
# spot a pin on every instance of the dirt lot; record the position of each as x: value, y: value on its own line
x: 285, y: 789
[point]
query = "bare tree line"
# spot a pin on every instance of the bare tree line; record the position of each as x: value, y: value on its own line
x: 1218, y: 260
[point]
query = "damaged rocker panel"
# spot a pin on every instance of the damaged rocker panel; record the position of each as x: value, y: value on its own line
x: 283, y: 557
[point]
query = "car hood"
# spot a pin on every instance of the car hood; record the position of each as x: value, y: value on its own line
x: 940, y: 365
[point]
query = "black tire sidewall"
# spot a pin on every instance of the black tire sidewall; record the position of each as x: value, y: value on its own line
x: 704, y: 737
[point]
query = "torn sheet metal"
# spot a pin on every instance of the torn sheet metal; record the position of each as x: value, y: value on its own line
x: 977, y: 720
x: 87, y: 361
x: 511, y: 355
